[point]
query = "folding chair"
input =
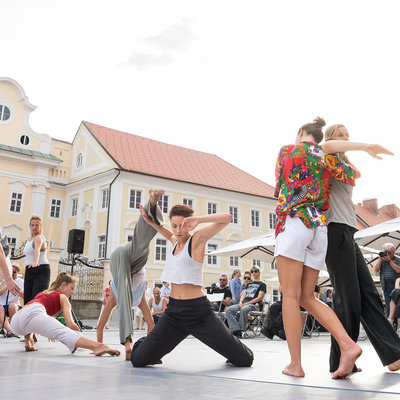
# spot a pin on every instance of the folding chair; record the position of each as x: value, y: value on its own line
x: 307, y: 331
x: 256, y: 318
x: 215, y: 298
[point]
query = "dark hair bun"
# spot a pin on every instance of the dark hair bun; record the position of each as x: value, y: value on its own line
x: 319, y: 122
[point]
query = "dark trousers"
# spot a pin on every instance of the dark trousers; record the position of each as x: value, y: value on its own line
x: 356, y: 298
x: 185, y: 317
x: 36, y: 280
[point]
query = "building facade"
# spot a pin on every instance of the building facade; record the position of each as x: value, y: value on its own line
x: 97, y: 182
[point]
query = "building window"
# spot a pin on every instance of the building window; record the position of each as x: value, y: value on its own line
x: 275, y: 295
x: 74, y: 207
x: 255, y: 218
x: 101, y: 251
x: 4, y: 112
x: 256, y: 263
x: 211, y: 260
x: 12, y: 242
x: 211, y: 208
x: 188, y: 202
x: 234, y: 262
x: 272, y: 220
x: 55, y: 208
x: 16, y: 202
x: 161, y: 249
x: 104, y: 197
x: 135, y: 198
x: 24, y: 140
x: 163, y: 202
x: 130, y: 237
x: 273, y: 266
x: 234, y: 211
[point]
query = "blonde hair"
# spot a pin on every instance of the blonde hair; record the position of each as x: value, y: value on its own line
x: 330, y: 134
x: 37, y: 218
x: 62, y: 277
x: 235, y: 271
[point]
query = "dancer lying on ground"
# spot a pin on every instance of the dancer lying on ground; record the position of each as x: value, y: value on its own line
x: 126, y: 262
x: 355, y: 297
x: 188, y: 311
x: 36, y: 317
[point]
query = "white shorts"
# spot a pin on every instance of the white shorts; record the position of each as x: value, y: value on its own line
x: 138, y: 287
x: 300, y: 243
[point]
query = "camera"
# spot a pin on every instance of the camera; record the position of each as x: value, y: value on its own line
x: 383, y: 253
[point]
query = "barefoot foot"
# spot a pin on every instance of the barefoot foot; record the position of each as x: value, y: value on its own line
x: 347, y: 361
x: 394, y: 366
x: 103, y: 349
x: 294, y: 370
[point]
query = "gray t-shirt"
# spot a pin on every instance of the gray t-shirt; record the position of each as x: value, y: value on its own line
x: 341, y: 208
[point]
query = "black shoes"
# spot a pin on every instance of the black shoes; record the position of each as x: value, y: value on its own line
x: 267, y: 332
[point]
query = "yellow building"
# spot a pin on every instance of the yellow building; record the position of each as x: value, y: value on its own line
x: 97, y: 182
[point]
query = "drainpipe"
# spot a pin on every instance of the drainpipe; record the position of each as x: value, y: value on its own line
x: 108, y: 209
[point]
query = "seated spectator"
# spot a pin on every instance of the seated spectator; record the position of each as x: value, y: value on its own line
x: 394, y: 315
x: 246, y: 279
x: 157, y: 304
x: 10, y: 303
x: 165, y: 290
x: 250, y: 300
x: 235, y: 285
x: 222, y: 288
x: 274, y: 322
x: 329, y: 297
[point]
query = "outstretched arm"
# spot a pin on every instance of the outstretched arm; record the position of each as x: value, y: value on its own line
x: 161, y: 229
x: 66, y: 309
x: 341, y: 146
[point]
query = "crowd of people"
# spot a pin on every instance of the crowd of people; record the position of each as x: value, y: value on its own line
x: 315, y: 225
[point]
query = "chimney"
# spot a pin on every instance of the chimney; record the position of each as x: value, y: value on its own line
x: 371, y: 204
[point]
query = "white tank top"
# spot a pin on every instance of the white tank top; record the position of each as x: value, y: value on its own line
x: 157, y: 307
x: 181, y: 268
x: 29, y: 252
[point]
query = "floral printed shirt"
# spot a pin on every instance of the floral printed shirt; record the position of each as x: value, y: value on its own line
x: 304, y: 176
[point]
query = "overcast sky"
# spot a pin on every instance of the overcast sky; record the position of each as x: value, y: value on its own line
x: 232, y: 78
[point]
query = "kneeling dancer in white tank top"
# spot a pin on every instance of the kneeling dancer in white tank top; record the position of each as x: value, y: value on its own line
x: 188, y: 312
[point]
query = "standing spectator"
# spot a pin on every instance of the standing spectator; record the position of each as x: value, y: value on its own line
x: 388, y: 267
x: 250, y: 300
x: 222, y: 288
x: 165, y: 290
x: 106, y: 296
x: 157, y: 304
x: 236, y: 286
x: 37, y: 272
x: 10, y: 303
x: 138, y: 311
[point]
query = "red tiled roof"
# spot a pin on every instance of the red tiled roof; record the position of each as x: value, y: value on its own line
x: 138, y: 154
x: 370, y: 218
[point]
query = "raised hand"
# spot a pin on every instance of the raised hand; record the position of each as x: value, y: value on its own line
x: 375, y: 149
x: 190, y: 223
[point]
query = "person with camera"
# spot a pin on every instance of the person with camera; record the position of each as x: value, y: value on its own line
x: 388, y: 267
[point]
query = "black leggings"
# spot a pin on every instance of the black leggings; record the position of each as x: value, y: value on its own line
x: 355, y: 297
x: 36, y: 280
x: 185, y: 317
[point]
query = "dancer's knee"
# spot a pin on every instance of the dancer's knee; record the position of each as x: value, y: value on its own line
x: 138, y: 358
x: 245, y: 360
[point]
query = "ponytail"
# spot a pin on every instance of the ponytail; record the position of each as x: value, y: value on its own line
x: 62, y: 277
